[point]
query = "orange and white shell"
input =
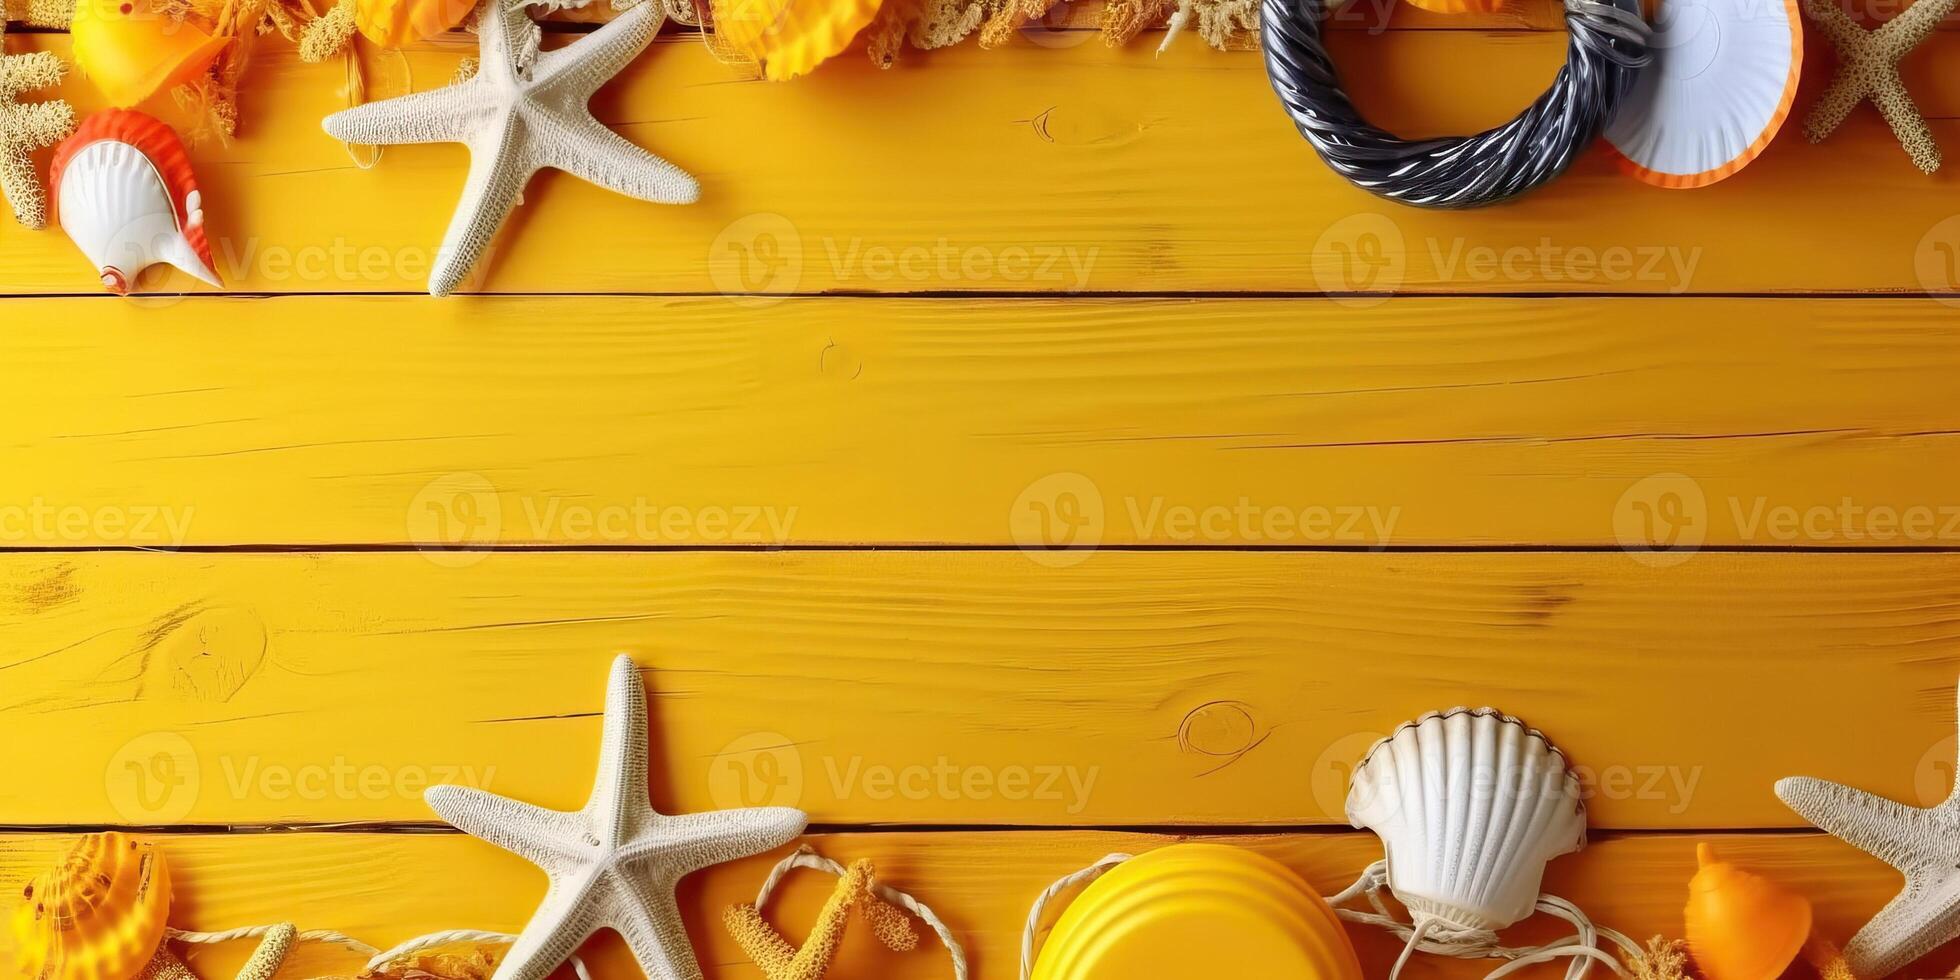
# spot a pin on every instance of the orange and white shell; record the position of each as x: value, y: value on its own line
x: 124, y: 192
x: 98, y: 915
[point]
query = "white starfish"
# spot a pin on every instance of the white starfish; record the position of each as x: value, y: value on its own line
x: 522, y: 111
x: 615, y: 863
x: 1922, y: 843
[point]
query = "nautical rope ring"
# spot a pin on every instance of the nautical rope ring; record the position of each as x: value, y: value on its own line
x: 1608, y: 47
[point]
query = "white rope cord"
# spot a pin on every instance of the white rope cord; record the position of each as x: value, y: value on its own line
x: 377, y: 959
x: 1088, y: 874
x: 1430, y: 935
x: 807, y: 857
x: 259, y: 932
x: 1444, y: 939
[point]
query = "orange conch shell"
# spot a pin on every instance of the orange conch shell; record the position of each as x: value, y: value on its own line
x: 788, y: 38
x: 98, y: 915
x: 1742, y: 926
x: 393, y: 23
x: 131, y: 51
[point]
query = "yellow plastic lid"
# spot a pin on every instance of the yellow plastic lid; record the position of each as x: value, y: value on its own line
x: 1193, y: 910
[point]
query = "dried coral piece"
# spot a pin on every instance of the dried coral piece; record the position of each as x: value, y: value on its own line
x: 924, y: 24
x: 1666, y: 959
x: 1228, y: 25
x: 327, y: 35
x: 1123, y: 20
x: 97, y: 915
x: 779, y: 960
x: 1010, y: 18
x: 40, y: 13
x: 886, y: 36
x: 27, y: 127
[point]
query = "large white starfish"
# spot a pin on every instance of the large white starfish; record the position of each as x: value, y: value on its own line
x: 615, y: 863
x: 1922, y: 843
x: 522, y: 111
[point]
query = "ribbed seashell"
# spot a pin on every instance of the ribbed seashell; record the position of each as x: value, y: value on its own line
x: 1470, y: 805
x: 125, y: 193
x: 98, y: 915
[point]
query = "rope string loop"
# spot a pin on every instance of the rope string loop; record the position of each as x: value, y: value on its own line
x: 1608, y: 46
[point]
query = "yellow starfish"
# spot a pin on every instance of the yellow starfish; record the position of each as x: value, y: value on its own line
x: 29, y: 127
x: 780, y: 961
x: 1869, y: 68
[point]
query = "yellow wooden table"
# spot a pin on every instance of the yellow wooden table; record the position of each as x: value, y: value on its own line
x: 276, y: 560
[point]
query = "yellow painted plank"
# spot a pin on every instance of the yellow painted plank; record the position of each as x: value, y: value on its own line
x: 1066, y: 19
x: 653, y: 422
x: 1135, y: 689
x: 1052, y: 170
x: 390, y: 888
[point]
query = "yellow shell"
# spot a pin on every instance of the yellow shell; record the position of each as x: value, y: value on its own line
x: 132, y: 51
x: 789, y: 37
x: 393, y: 23
x: 98, y: 915
x: 1742, y: 926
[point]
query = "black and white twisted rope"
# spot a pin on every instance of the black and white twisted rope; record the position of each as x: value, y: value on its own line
x: 1608, y: 47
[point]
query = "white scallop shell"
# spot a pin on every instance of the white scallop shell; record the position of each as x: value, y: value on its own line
x: 1470, y: 806
x: 114, y: 205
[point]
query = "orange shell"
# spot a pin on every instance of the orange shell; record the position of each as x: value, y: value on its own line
x: 98, y: 915
x: 1742, y: 926
x: 789, y: 38
x: 393, y: 23
x: 131, y: 52
x: 157, y: 142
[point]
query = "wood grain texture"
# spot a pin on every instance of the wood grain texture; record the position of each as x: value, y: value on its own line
x: 1139, y: 689
x: 1351, y: 15
x: 1022, y: 170
x: 390, y: 887
x: 658, y: 422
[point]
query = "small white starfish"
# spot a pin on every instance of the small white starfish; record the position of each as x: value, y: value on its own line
x: 1922, y: 843
x: 615, y: 863
x: 523, y: 110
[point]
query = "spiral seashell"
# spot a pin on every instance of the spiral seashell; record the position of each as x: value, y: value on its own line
x: 98, y: 915
x: 1470, y: 806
